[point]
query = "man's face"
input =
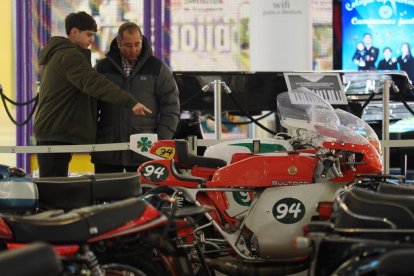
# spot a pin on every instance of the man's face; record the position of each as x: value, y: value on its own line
x: 367, y: 40
x: 82, y: 38
x: 404, y: 49
x: 130, y: 45
x: 387, y: 54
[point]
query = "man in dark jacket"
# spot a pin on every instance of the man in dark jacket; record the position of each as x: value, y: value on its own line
x: 131, y: 65
x: 68, y: 91
x: 371, y: 52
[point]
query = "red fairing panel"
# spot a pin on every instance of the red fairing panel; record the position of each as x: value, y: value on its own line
x: 266, y: 171
x: 370, y: 163
x: 5, y: 231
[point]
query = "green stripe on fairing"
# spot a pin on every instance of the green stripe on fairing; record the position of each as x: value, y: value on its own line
x: 263, y: 147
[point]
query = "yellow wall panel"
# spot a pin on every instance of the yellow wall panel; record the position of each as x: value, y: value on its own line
x: 80, y: 164
x: 7, y: 80
x: 6, y: 47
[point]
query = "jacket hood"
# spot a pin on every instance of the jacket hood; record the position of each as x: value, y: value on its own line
x: 145, y: 53
x: 54, y: 45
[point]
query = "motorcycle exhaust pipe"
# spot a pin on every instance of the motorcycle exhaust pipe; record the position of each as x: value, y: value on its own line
x: 230, y: 266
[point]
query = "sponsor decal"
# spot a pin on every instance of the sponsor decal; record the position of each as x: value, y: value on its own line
x: 144, y: 144
x: 288, y: 183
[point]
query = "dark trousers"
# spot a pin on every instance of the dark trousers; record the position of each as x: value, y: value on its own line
x: 53, y: 164
x: 106, y: 168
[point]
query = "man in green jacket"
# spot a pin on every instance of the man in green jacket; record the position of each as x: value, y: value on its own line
x: 69, y: 88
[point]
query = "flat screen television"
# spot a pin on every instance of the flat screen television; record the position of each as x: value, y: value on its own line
x: 368, y: 32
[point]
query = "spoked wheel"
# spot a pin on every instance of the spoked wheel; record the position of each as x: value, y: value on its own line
x: 138, y: 266
x: 195, y: 220
x: 122, y: 270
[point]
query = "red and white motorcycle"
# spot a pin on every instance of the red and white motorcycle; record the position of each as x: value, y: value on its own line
x: 280, y: 191
x: 119, y: 237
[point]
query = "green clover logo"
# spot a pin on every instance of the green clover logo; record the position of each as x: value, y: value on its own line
x: 145, y: 144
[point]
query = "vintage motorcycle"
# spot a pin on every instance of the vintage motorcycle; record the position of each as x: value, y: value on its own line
x: 280, y: 190
x: 35, y: 259
x: 127, y: 236
x: 371, y: 223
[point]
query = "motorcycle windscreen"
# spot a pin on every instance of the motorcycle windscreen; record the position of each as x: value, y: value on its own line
x: 302, y: 109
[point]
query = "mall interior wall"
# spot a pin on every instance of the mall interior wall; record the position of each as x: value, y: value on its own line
x: 7, y: 78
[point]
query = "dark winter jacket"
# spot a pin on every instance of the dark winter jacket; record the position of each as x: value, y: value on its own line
x: 151, y: 82
x: 68, y: 88
x: 407, y: 64
x: 388, y: 64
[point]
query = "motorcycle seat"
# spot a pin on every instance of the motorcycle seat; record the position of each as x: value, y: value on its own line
x: 184, y: 158
x: 35, y: 259
x: 402, y: 257
x: 368, y: 209
x: 75, y: 226
x: 401, y: 189
x: 75, y: 192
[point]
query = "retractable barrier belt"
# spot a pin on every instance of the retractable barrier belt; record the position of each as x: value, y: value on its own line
x: 126, y: 146
x: 81, y: 148
x: 64, y: 148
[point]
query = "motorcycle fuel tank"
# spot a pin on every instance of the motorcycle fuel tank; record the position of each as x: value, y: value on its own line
x: 274, y: 169
x: 18, y: 193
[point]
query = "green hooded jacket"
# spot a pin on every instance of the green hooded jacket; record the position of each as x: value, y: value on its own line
x: 69, y: 88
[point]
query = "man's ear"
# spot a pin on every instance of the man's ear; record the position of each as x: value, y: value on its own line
x: 73, y: 31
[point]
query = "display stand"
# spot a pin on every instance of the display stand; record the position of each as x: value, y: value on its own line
x: 217, y: 109
x: 217, y: 84
x: 192, y: 144
x: 386, y: 125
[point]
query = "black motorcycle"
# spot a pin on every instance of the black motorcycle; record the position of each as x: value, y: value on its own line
x: 371, y: 223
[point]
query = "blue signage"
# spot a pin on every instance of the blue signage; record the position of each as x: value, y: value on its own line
x: 378, y: 35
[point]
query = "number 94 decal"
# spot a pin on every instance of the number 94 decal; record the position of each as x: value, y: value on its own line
x: 155, y: 172
x: 166, y: 152
x: 289, y: 210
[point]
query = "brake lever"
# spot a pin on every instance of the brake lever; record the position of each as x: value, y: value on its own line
x: 327, y: 164
x: 336, y: 169
x: 333, y: 164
